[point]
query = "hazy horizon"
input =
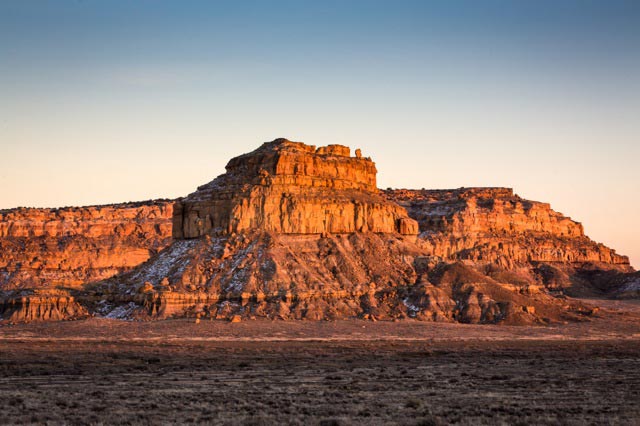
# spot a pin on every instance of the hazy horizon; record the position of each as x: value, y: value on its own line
x: 128, y: 101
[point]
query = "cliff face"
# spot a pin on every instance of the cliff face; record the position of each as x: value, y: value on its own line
x: 492, y: 225
x: 293, y: 231
x: 40, y: 304
x: 292, y: 188
x: 72, y: 246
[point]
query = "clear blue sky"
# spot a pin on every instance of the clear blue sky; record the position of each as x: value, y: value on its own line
x: 107, y: 101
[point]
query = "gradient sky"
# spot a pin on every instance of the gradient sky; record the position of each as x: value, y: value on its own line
x: 109, y: 101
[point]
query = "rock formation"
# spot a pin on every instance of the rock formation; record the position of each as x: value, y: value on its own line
x: 357, y: 275
x: 292, y: 188
x: 40, y: 304
x: 72, y: 246
x: 492, y: 225
x: 292, y: 231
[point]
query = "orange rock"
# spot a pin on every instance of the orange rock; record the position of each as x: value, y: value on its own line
x: 48, y: 305
x: 407, y: 226
x: 492, y: 225
x: 291, y: 188
x: 74, y: 245
x: 292, y: 231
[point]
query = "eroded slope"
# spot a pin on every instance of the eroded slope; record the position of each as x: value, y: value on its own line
x: 292, y: 231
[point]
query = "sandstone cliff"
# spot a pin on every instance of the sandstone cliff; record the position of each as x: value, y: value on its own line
x: 292, y: 231
x: 40, y: 304
x: 492, y: 225
x: 72, y: 246
x: 292, y: 188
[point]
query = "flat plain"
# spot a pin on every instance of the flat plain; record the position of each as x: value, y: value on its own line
x: 101, y: 371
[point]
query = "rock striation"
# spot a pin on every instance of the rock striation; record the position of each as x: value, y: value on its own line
x: 40, y: 304
x: 72, y: 246
x: 292, y: 231
x: 292, y: 188
x: 493, y: 225
x: 292, y: 276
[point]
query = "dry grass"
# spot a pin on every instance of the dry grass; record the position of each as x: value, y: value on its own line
x: 329, y: 383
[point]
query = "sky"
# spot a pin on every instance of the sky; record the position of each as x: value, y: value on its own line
x: 104, y: 102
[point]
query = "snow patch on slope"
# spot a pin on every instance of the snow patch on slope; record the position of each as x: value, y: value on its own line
x: 171, y: 259
x: 632, y: 285
x: 122, y: 312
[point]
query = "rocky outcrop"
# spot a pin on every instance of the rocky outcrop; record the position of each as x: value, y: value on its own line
x: 72, y: 246
x: 494, y: 226
x: 292, y: 188
x: 292, y: 231
x: 44, y: 305
x: 283, y: 235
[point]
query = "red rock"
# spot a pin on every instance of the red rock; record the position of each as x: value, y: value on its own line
x: 40, y: 305
x: 295, y: 232
x: 291, y: 188
x: 492, y: 225
x: 75, y: 245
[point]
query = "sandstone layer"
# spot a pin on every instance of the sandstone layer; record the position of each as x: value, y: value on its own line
x: 292, y: 231
x: 283, y: 276
x: 40, y: 304
x: 493, y: 225
x: 292, y: 188
x: 72, y: 246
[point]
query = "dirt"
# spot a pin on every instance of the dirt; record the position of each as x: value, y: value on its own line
x: 346, y: 372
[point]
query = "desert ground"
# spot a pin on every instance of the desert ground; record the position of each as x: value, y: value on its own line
x: 101, y: 371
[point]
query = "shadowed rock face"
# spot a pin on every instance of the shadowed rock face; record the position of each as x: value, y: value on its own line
x: 292, y: 188
x: 292, y: 231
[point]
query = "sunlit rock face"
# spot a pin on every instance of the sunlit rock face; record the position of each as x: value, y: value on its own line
x: 495, y: 226
x: 292, y: 231
x: 74, y: 245
x: 292, y: 188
